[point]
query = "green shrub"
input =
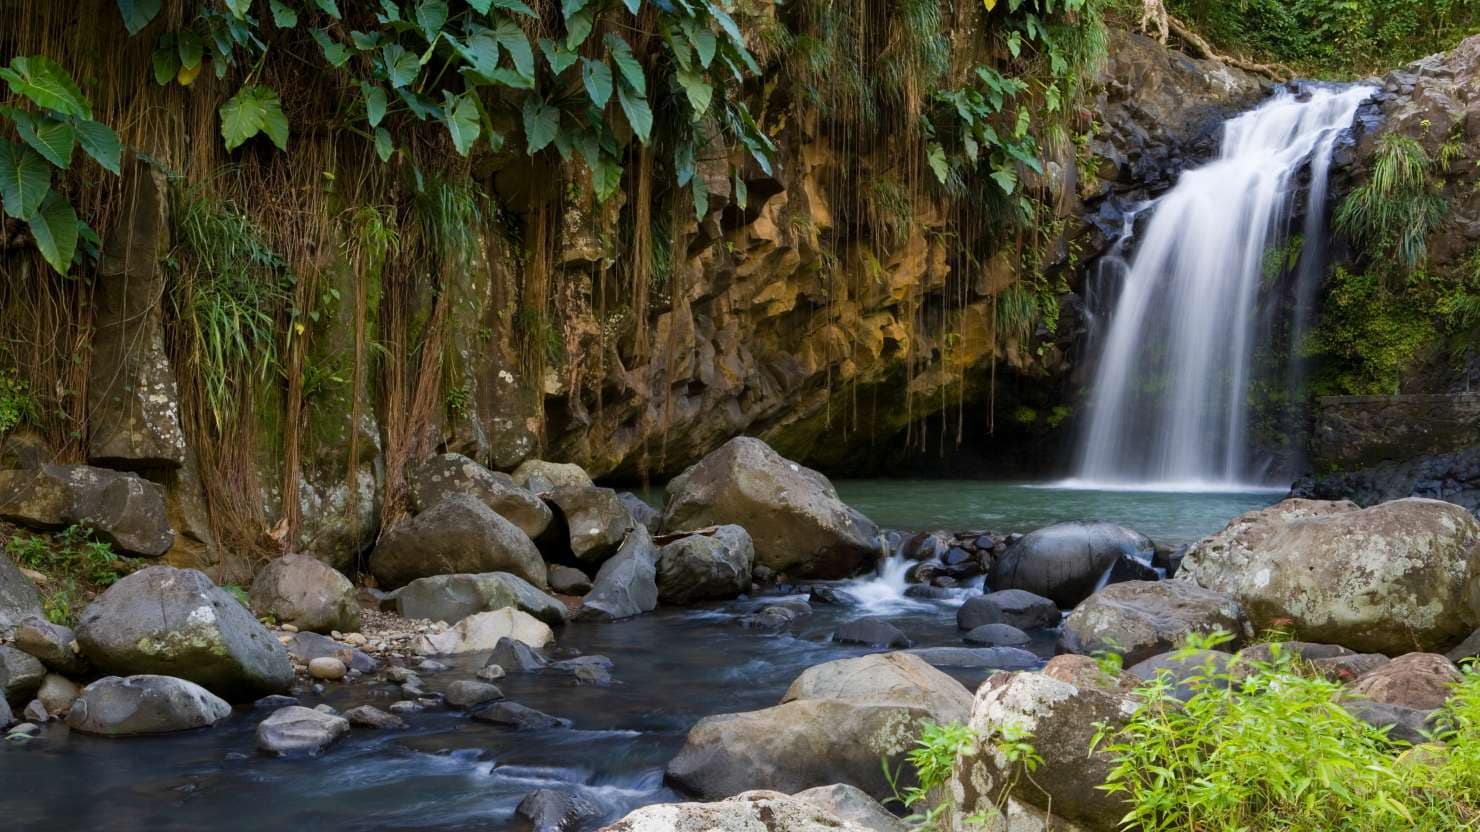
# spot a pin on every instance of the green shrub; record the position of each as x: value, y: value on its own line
x: 76, y: 565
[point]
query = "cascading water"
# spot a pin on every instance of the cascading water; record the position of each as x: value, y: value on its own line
x: 1169, y: 404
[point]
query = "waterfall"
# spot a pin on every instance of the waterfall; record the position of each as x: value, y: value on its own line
x: 1169, y: 406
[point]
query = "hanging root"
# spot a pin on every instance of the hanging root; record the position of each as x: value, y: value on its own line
x: 1200, y: 47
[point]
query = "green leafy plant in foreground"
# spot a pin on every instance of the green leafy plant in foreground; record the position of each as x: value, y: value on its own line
x: 76, y: 565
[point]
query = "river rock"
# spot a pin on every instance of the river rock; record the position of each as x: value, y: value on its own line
x: 1140, y: 619
x: 296, y: 730
x: 642, y: 511
x: 1015, y: 607
x: 465, y: 693
x: 452, y: 598
x: 514, y: 656
x: 591, y: 524
x: 567, y: 580
x: 519, y: 717
x: 1411, y: 725
x: 18, y: 597
x: 447, y: 474
x: 797, y: 524
x: 540, y: 476
x: 327, y: 669
x: 1422, y: 681
x: 871, y: 632
x: 752, y: 811
x: 626, y: 585
x: 996, y: 658
x: 307, y: 593
x: 834, y: 725
x: 1349, y: 668
x: 168, y: 621
x: 707, y: 566
x: 997, y: 635
x: 369, y: 716
x: 480, y: 632
x: 21, y: 675
x: 1467, y: 649
x: 123, y: 509
x: 1062, y: 720
x: 1190, y: 672
x: 57, y: 693
x: 550, y: 810
x: 1066, y: 561
x: 850, y: 804
x: 54, y: 645
x: 1380, y: 580
x: 457, y: 535
x: 1083, y: 671
x: 305, y: 647
x: 6, y: 717
x: 120, y: 707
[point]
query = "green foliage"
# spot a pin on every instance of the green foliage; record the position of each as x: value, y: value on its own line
x: 1368, y: 334
x: 251, y: 111
x: 1267, y: 747
x: 50, y: 133
x: 16, y: 403
x: 1346, y: 38
x: 1392, y: 213
x: 76, y: 566
x: 934, y: 755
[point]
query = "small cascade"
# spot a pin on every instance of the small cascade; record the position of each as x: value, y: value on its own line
x: 886, y: 587
x: 1169, y: 406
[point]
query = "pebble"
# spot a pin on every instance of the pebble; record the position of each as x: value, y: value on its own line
x: 400, y: 675
x: 429, y: 666
x: 369, y: 716
x: 319, y: 689
x: 327, y: 668
x: 36, y: 712
x: 356, y: 639
x: 289, y: 628
x: 467, y: 694
x: 492, y: 673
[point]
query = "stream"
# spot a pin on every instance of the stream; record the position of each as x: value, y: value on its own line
x: 447, y: 772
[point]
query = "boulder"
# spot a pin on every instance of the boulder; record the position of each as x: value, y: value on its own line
x: 539, y: 476
x: 1062, y: 720
x: 550, y: 810
x: 18, y: 597
x: 1140, y: 619
x: 307, y: 593
x: 53, y: 644
x: 21, y: 675
x: 1350, y: 667
x: 121, y: 707
x: 996, y: 658
x: 1015, y: 607
x: 642, y: 511
x: 481, y: 632
x: 834, y: 725
x: 57, y: 693
x: 1382, y: 580
x: 996, y: 635
x: 1421, y: 681
x: 1190, y: 673
x: 296, y: 730
x: 327, y: 669
x: 1083, y: 671
x: 452, y: 598
x: 457, y: 535
x: 706, y: 566
x: 465, y: 693
x: 590, y: 527
x: 123, y: 509
x: 567, y: 580
x: 851, y: 805
x: 1411, y: 725
x: 871, y: 632
x: 797, y: 524
x: 369, y: 716
x: 445, y: 475
x: 752, y: 811
x: 175, y: 622
x: 626, y: 585
x: 518, y: 717
x: 514, y: 656
x: 1065, y: 562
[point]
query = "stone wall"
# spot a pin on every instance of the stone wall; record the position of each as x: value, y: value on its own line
x: 1362, y: 431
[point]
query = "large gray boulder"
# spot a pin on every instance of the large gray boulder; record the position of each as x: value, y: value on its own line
x: 752, y: 811
x: 21, y: 675
x: 797, y: 523
x: 1065, y: 562
x: 539, y: 476
x: 591, y: 524
x: 123, y: 509
x: 1385, y: 579
x: 706, y: 566
x: 175, y: 622
x: 122, y: 707
x: 18, y: 597
x: 452, y: 598
x: 1140, y: 619
x: 307, y: 593
x: 296, y: 730
x: 447, y: 474
x: 835, y: 724
x: 1062, y: 720
x: 1014, y: 607
x: 457, y: 535
x: 482, y: 632
x: 626, y: 585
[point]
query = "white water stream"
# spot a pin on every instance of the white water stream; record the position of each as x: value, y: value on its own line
x: 1169, y: 407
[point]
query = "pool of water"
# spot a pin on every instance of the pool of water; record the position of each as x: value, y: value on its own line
x: 447, y: 772
x: 1172, y: 518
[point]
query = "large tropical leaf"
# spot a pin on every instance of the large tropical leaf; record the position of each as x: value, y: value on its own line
x: 639, y: 114
x: 251, y: 111
x: 698, y: 91
x: 627, y: 63
x: 25, y: 179
x: 597, y: 77
x: 138, y: 13
x: 541, y: 123
x: 52, y: 138
x: 100, y: 142
x: 401, y: 67
x: 514, y: 41
x: 47, y: 85
x: 54, y: 226
x: 460, y: 114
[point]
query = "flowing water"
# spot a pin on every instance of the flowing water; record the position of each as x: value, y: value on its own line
x: 447, y: 772
x: 1169, y: 405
